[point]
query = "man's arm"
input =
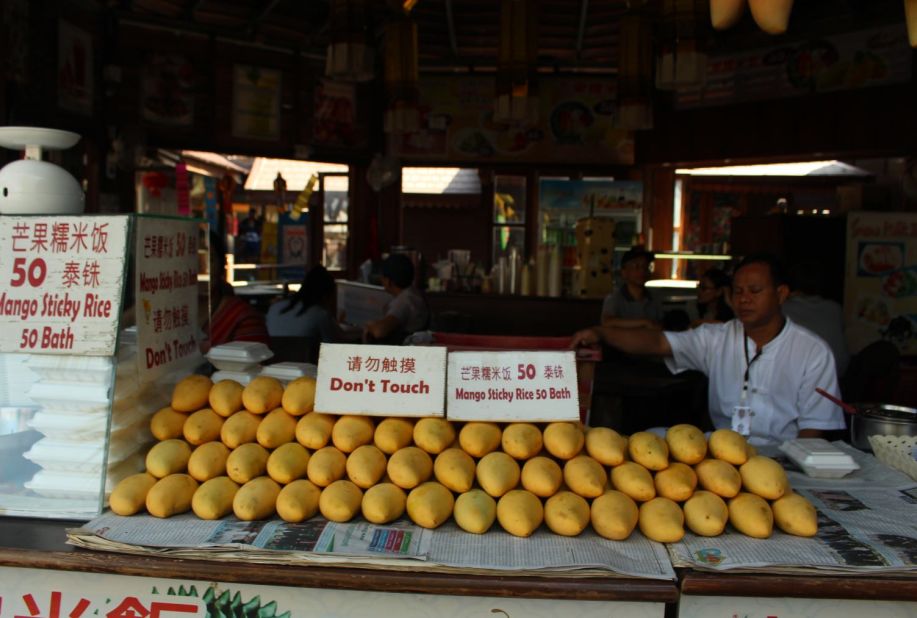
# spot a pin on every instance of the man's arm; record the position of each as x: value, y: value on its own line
x: 379, y: 329
x: 630, y: 340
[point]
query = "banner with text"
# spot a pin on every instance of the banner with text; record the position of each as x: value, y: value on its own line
x: 381, y: 380
x: 512, y: 386
x: 166, y: 300
x: 62, y: 283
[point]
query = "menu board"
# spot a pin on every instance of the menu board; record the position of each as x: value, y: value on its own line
x: 166, y: 283
x: 62, y: 280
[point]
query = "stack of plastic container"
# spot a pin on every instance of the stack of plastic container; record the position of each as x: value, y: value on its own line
x: 238, y: 360
x: 287, y: 372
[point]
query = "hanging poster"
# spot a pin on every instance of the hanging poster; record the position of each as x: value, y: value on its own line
x: 255, y: 102
x: 875, y: 57
x: 881, y: 280
x: 74, y: 69
x: 167, y: 90
x: 574, y: 123
x: 335, y: 121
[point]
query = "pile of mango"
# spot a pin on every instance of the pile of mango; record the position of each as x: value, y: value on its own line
x: 261, y: 450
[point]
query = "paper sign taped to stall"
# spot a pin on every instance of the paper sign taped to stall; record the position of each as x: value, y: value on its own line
x: 512, y: 386
x: 381, y: 380
x: 63, y: 278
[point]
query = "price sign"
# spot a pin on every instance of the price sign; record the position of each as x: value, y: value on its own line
x: 62, y: 279
x: 166, y: 300
x: 381, y: 380
x: 512, y: 386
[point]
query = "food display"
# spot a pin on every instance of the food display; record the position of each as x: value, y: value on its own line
x: 261, y: 451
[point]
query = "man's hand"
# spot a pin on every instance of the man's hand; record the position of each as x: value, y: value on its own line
x: 586, y: 337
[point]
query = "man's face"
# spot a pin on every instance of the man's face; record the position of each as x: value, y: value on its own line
x: 636, y: 271
x: 755, y: 298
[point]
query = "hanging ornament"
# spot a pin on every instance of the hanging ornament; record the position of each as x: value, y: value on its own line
x: 772, y: 16
x: 725, y: 14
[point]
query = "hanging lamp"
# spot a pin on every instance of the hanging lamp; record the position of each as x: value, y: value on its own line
x: 350, y: 53
x: 515, y: 95
x: 635, y: 68
x: 401, y: 74
x: 681, y: 61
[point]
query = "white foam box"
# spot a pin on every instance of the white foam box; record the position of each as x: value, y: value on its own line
x: 238, y: 355
x: 819, y: 458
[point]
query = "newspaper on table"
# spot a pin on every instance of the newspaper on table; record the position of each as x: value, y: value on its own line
x: 867, y: 523
x: 400, y: 545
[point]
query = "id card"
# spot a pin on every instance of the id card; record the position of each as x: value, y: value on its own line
x: 741, y: 419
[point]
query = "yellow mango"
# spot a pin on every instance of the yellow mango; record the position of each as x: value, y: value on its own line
x: 168, y: 457
x: 208, y: 461
x: 521, y: 440
x: 226, y: 397
x: 213, y: 499
x: 585, y: 476
x: 429, y: 505
x: 191, y: 393
x: 167, y: 424
x: 751, y: 515
x: 256, y: 499
x: 633, y: 480
x: 455, y: 469
x: 246, y: 462
x: 365, y: 466
x: 314, y: 430
x: 171, y: 495
x: 566, y: 513
x: 677, y: 482
x: 764, y: 477
x: 497, y: 473
x: 542, y: 476
x: 393, y: 434
x: 728, y: 445
x: 383, y: 503
x: 719, y: 476
x: 434, y: 435
x: 351, y: 431
x: 648, y: 450
x: 564, y: 440
x: 795, y: 515
x: 276, y: 428
x: 202, y: 426
x: 687, y: 444
x: 240, y: 428
x: 299, y: 396
x: 129, y: 495
x: 614, y: 515
x: 262, y: 394
x: 340, y: 501
x: 288, y: 463
x: 409, y: 467
x: 706, y: 514
x: 477, y: 438
x: 661, y: 520
x: 298, y: 501
x: 475, y: 511
x: 606, y: 446
x: 326, y: 465
x: 519, y: 512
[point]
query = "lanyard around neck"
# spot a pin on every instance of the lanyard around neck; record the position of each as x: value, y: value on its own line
x: 748, y: 364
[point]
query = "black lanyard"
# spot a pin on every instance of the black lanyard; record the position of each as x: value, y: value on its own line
x: 748, y: 364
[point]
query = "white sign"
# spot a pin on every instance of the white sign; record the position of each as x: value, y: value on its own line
x: 380, y: 380
x: 512, y: 386
x: 61, y: 279
x: 166, y: 300
x: 43, y: 592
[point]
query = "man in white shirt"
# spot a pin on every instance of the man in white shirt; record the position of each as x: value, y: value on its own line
x: 407, y: 312
x: 762, y: 368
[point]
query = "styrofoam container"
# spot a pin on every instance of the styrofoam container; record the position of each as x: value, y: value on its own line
x: 242, y: 377
x: 70, y: 369
x: 238, y: 355
x: 83, y: 457
x: 65, y: 485
x: 287, y: 372
x: 819, y: 458
x: 71, y: 398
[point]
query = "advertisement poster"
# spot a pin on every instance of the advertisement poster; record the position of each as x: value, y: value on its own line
x: 881, y: 282
x: 167, y: 90
x: 255, y: 102
x: 166, y: 302
x: 62, y: 283
x: 74, y: 69
x: 575, y: 123
x: 336, y: 122
x: 875, y: 57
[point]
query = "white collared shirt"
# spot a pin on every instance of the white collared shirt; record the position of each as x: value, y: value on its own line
x: 781, y: 382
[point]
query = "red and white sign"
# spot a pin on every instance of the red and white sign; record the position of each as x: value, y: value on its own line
x: 512, y: 386
x: 61, y: 279
x: 381, y: 380
x: 166, y: 301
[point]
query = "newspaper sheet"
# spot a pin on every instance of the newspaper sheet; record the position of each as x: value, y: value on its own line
x: 400, y: 545
x: 867, y: 523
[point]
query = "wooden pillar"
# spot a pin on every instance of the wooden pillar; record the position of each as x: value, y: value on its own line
x: 659, y: 191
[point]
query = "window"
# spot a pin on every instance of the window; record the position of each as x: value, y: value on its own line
x: 509, y: 216
x: 335, y: 213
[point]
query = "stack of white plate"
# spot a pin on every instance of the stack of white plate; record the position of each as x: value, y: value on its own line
x: 238, y: 360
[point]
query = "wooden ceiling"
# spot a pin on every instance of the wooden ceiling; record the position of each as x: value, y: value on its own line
x: 459, y: 35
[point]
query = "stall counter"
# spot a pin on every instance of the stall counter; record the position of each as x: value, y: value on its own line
x: 36, y: 561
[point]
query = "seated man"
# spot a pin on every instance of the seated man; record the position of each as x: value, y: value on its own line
x: 762, y: 368
x: 407, y: 312
x: 632, y: 305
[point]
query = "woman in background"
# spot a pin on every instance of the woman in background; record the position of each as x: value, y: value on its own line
x: 713, y: 298
x: 310, y: 311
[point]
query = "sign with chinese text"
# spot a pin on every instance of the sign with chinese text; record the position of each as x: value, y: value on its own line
x: 166, y: 299
x: 880, y: 287
x: 62, y: 279
x: 512, y: 386
x: 381, y: 380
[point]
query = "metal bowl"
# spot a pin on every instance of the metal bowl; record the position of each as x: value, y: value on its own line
x: 880, y: 419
